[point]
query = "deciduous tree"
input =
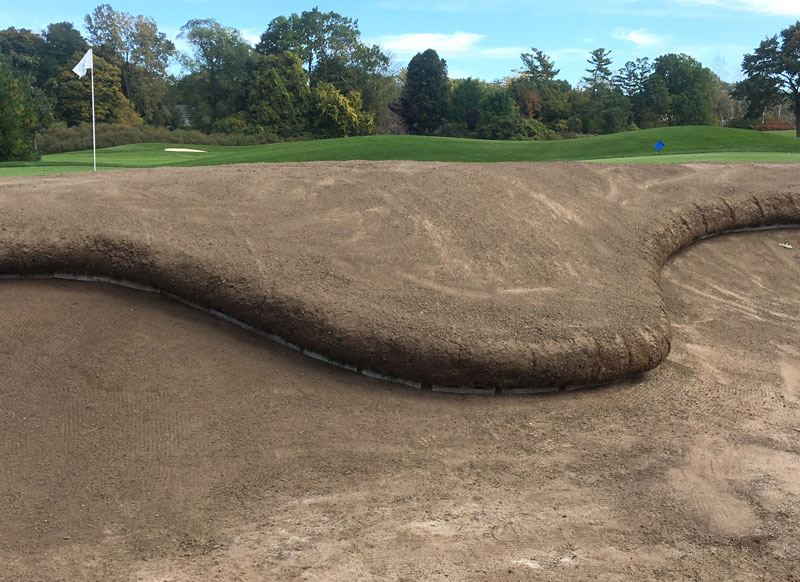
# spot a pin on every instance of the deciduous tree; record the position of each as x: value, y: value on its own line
x: 23, y: 50
x: 220, y: 65
x: 499, y: 116
x: 61, y: 42
x: 465, y: 102
x: 312, y: 36
x: 365, y: 69
x: 773, y: 74
x: 278, y: 94
x: 526, y: 95
x: 18, y: 119
x: 111, y: 106
x: 683, y: 89
x: 142, y: 53
x: 337, y: 115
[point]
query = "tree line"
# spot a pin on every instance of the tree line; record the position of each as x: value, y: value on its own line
x: 311, y: 76
x: 673, y: 89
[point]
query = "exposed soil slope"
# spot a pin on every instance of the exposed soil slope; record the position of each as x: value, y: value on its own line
x: 498, y: 275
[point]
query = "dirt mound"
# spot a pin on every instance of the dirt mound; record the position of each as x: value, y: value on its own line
x: 497, y: 275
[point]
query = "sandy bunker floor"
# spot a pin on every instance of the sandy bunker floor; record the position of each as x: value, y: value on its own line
x: 142, y: 440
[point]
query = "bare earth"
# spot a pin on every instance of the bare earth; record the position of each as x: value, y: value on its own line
x: 509, y: 276
x: 144, y: 440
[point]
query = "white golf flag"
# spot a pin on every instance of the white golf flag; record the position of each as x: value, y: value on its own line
x: 85, y: 63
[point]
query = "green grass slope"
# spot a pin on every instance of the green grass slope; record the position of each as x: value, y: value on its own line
x: 683, y: 144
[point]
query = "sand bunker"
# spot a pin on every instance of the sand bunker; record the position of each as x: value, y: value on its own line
x: 191, y: 150
x: 141, y: 440
x: 510, y: 276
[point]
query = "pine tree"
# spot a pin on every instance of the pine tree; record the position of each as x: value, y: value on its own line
x: 599, y: 73
x: 539, y: 68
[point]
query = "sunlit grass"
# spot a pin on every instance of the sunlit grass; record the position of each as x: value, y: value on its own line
x: 683, y: 144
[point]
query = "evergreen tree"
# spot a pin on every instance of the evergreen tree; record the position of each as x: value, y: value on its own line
x: 539, y: 68
x: 630, y: 79
x: 424, y: 99
x: 599, y: 73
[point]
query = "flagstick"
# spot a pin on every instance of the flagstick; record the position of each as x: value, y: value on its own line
x: 94, y: 139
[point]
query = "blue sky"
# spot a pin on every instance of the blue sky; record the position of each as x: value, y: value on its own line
x: 484, y: 38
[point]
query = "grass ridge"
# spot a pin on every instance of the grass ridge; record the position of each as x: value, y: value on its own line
x: 683, y: 144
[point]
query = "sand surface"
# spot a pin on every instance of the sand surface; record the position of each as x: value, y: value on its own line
x: 494, y: 276
x: 142, y: 440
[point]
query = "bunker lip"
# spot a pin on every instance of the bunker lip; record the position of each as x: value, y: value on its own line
x: 509, y: 276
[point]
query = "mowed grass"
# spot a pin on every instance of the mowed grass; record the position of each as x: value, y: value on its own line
x: 683, y: 144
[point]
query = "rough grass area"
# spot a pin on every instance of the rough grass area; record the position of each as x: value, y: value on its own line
x: 683, y: 144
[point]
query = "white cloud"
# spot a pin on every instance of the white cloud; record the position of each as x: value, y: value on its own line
x: 455, y: 6
x: 251, y: 36
x: 772, y: 7
x: 640, y: 36
x: 504, y: 52
x: 457, y: 44
x: 567, y: 54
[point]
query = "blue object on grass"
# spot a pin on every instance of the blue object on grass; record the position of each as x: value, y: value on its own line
x: 659, y: 146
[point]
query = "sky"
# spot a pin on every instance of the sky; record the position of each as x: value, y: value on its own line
x: 484, y: 38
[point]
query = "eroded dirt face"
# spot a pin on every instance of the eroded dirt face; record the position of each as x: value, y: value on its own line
x: 485, y: 275
x: 142, y: 440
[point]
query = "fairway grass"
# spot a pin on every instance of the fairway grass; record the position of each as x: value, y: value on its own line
x: 726, y: 157
x: 683, y: 144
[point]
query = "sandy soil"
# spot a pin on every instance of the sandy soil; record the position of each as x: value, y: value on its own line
x: 490, y: 275
x: 142, y: 440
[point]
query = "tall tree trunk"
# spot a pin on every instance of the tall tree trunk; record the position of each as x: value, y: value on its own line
x: 796, y: 111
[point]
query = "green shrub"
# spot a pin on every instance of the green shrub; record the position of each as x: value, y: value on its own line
x: 18, y: 118
x: 743, y: 122
x: 59, y: 138
x: 454, y: 129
